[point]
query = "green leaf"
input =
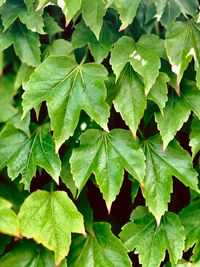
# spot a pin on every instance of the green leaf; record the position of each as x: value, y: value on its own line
x: 177, y: 111
x: 168, y: 11
x: 143, y: 56
x: 93, y: 12
x: 28, y: 254
x: 101, y: 248
x: 51, y: 27
x: 195, y: 136
x: 42, y: 3
x: 66, y: 175
x: 68, y: 88
x: 182, y: 44
x: 22, y: 154
x: 151, y: 241
x: 12, y: 10
x: 190, y: 218
x: 158, y: 92
x: 99, y: 49
x: 60, y: 47
x: 127, y: 11
x: 130, y: 100
x: 7, y: 92
x: 108, y: 154
x: 196, y: 253
x: 19, y: 124
x: 70, y: 8
x: 8, y: 219
x: 25, y: 42
x: 160, y: 167
x: 23, y: 74
x: 50, y: 218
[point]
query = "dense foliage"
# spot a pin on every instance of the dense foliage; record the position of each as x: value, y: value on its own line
x: 99, y: 133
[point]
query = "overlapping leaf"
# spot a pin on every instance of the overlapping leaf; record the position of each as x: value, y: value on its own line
x: 29, y: 254
x: 101, y: 248
x: 160, y: 166
x: 190, y: 218
x: 7, y: 92
x: 99, y: 48
x: 68, y: 88
x: 151, y: 241
x: 127, y: 11
x: 11, y: 10
x: 177, y: 111
x: 25, y: 42
x: 108, y: 154
x: 8, y: 219
x: 50, y: 218
x: 22, y: 154
x: 130, y: 98
x: 182, y: 44
x: 195, y: 136
x: 168, y: 11
x: 144, y: 56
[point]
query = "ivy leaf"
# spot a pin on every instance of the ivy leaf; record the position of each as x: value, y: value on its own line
x: 143, y: 56
x: 23, y: 74
x: 10, y: 12
x: 182, y: 44
x: 101, y: 248
x: 32, y: 19
x: 131, y: 104
x: 59, y: 47
x: 13, y: 9
x: 19, y: 124
x: 8, y: 219
x: 158, y: 92
x: 151, y: 241
x: 25, y: 42
x: 99, y: 49
x: 70, y: 8
x: 160, y: 167
x: 42, y: 3
x: 177, y: 111
x: 127, y: 11
x: 108, y: 154
x: 66, y: 175
x: 93, y: 12
x: 7, y: 92
x: 168, y: 11
x: 195, y: 136
x: 68, y: 88
x: 190, y: 219
x: 22, y: 154
x: 28, y: 254
x: 50, y: 218
x: 51, y: 27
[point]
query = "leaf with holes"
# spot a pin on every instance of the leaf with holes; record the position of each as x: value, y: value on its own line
x: 144, y: 56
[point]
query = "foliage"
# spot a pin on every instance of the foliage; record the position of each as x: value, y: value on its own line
x: 99, y: 133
